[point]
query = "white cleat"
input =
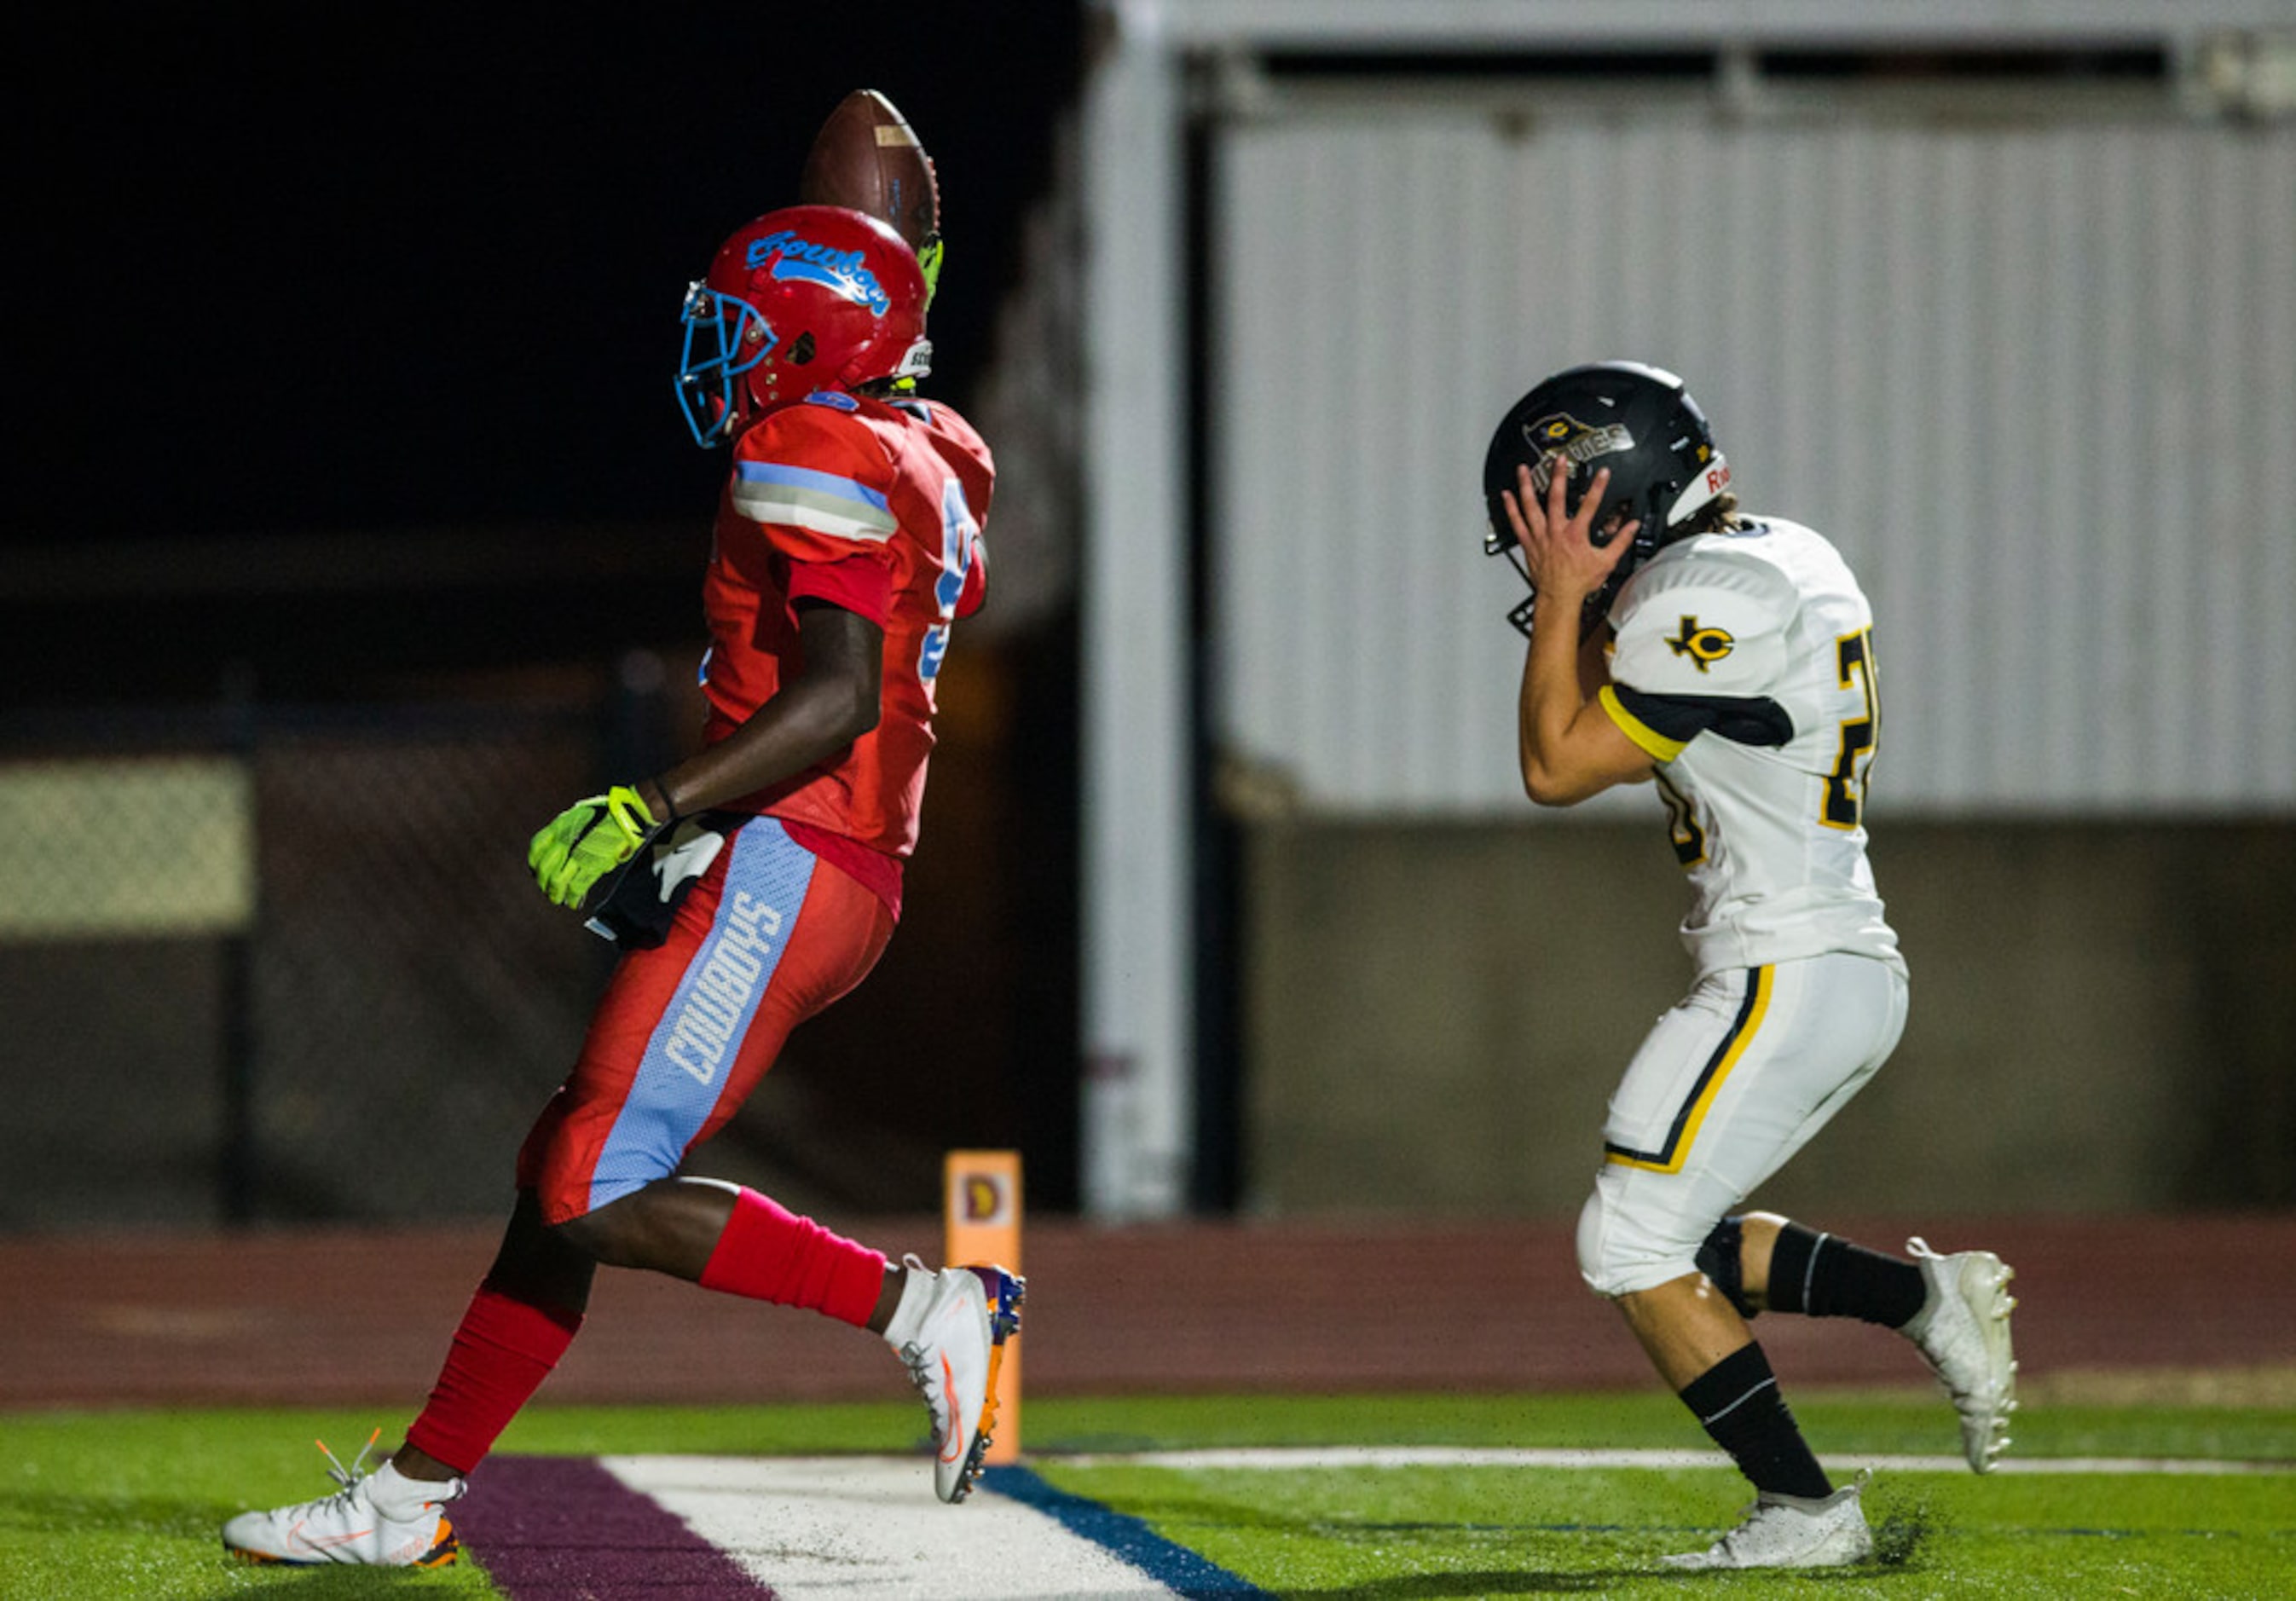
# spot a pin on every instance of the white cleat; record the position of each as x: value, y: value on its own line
x: 382, y: 1519
x: 950, y: 1330
x: 1792, y: 1531
x: 1963, y: 1333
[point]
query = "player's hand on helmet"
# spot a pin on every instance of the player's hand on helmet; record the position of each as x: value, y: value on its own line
x: 1559, y: 553
x: 587, y: 840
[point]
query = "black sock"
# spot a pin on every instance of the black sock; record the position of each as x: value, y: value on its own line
x: 1737, y: 1400
x: 1825, y: 1276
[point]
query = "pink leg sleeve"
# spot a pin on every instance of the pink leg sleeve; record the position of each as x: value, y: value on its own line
x: 770, y: 1254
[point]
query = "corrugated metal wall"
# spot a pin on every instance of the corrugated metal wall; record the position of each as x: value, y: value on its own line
x: 2038, y: 381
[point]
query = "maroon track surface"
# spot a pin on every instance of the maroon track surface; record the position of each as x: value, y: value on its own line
x: 563, y: 1526
x: 351, y: 1317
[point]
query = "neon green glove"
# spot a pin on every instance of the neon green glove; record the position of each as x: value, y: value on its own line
x: 587, y: 840
x: 929, y: 262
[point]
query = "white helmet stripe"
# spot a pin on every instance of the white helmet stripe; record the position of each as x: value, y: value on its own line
x: 1712, y: 479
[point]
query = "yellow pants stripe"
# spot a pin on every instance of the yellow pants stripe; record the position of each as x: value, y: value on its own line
x: 1668, y: 1158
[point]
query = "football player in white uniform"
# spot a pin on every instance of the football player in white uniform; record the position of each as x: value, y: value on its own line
x: 1729, y: 658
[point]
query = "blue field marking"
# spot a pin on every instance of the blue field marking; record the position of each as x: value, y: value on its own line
x: 1178, y: 1569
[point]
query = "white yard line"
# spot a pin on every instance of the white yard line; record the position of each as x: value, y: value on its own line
x: 835, y: 1527
x: 1280, y: 1457
x: 841, y: 1528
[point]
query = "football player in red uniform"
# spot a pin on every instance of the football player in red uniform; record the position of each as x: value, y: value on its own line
x: 749, y: 886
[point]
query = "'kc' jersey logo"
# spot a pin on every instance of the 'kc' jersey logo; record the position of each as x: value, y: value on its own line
x: 1704, y: 646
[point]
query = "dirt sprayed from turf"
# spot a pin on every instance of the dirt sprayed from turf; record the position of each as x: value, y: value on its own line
x: 1903, y: 1529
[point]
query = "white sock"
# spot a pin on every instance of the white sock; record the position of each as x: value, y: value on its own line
x: 908, y: 1317
x: 400, y: 1498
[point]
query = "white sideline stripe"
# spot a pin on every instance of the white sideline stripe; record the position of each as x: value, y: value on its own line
x: 1277, y: 1458
x: 838, y: 1528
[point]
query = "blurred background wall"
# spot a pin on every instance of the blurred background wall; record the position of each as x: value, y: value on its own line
x: 2002, y: 299
x: 2024, y: 343
x: 2101, y: 1018
x: 356, y: 534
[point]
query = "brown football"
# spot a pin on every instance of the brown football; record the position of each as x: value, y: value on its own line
x: 866, y: 158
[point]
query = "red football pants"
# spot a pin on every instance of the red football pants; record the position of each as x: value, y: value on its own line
x: 768, y: 937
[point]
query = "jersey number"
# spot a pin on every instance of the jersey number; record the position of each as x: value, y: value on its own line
x: 1682, y: 825
x: 1845, y: 786
x: 958, y: 533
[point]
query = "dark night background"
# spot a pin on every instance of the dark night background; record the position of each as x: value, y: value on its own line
x: 374, y: 280
x: 341, y: 357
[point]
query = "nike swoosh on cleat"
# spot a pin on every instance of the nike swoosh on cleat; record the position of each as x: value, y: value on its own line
x: 954, y: 1447
x: 326, y: 1542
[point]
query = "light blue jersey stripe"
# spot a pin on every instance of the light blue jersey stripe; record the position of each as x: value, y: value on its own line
x: 693, y: 1048
x: 806, y: 478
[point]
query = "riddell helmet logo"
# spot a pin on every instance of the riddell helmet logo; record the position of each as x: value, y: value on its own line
x: 843, y: 272
x: 1579, y: 442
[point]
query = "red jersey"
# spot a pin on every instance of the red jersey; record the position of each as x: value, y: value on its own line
x: 875, y: 507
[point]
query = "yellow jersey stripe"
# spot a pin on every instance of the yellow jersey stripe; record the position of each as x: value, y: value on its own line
x: 1650, y: 739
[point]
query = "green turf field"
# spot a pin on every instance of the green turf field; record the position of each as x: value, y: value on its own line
x: 98, y: 1506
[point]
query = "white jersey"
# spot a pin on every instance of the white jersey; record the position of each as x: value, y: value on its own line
x: 1744, y: 663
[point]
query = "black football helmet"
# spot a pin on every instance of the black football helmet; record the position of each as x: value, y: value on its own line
x: 1637, y: 420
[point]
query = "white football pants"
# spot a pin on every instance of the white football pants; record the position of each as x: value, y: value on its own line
x: 1725, y: 1089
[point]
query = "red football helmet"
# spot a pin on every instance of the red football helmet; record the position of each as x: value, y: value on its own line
x: 804, y: 298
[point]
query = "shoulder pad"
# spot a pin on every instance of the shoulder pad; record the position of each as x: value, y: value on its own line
x: 1718, y: 561
x: 820, y: 469
x: 835, y: 400
x: 1707, y: 623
